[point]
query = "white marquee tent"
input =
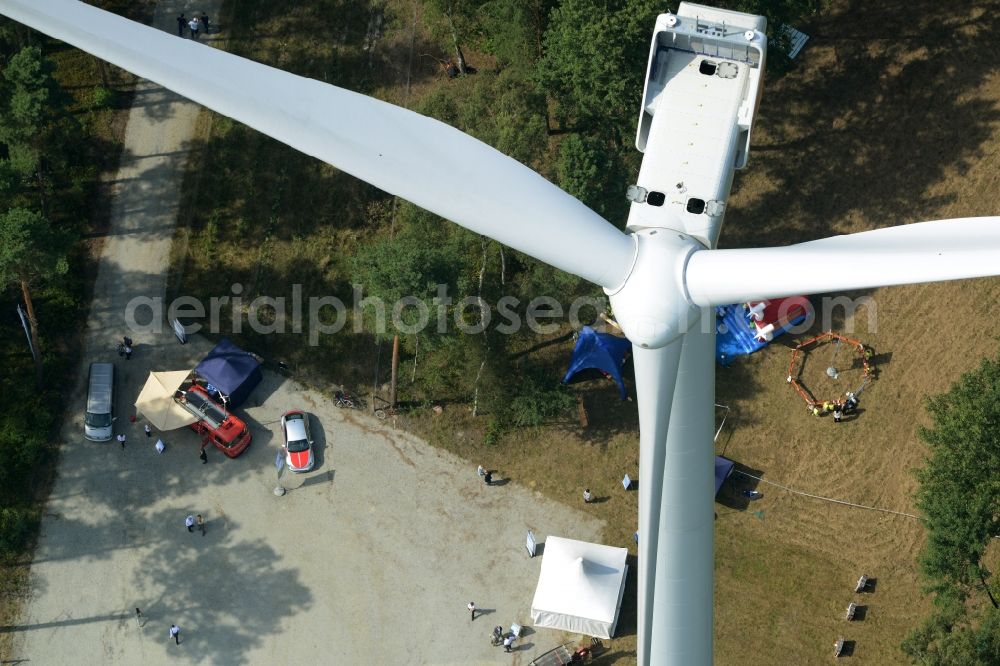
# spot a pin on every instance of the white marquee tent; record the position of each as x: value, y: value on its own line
x: 580, y: 587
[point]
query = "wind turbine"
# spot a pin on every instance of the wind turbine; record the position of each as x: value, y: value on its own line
x: 663, y: 277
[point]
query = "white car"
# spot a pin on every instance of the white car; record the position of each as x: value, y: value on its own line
x: 297, y: 441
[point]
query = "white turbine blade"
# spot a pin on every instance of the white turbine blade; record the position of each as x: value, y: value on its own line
x: 412, y: 156
x: 676, y: 391
x: 923, y: 252
x: 655, y: 378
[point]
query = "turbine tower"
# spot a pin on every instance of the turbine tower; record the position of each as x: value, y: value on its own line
x: 703, y: 84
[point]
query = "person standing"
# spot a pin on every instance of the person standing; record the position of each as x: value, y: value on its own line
x: 175, y: 633
x: 201, y: 524
x: 147, y: 430
x: 203, y: 456
x: 204, y: 22
x: 121, y: 440
x: 481, y: 471
x: 181, y: 23
x: 587, y: 496
x: 488, y: 478
x: 472, y: 610
x: 138, y: 617
x: 193, y: 25
x: 189, y: 522
x: 508, y: 643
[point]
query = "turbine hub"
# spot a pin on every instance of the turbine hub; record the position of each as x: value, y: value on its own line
x: 652, y: 306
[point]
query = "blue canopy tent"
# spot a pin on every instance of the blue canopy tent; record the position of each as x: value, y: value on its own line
x: 232, y: 371
x: 723, y: 468
x: 602, y: 351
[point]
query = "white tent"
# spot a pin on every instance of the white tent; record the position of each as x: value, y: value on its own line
x: 580, y: 587
x: 156, y: 401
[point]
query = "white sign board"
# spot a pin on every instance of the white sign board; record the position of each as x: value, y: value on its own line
x: 530, y: 544
x: 627, y: 482
x: 179, y: 330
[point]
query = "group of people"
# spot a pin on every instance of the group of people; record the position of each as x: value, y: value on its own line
x: 840, y: 408
x: 499, y: 637
x: 125, y: 348
x: 194, y: 25
x: 192, y: 523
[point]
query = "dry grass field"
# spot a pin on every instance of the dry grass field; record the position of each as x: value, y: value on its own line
x: 891, y: 115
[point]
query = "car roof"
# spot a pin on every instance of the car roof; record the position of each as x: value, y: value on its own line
x: 295, y: 426
x: 99, y: 391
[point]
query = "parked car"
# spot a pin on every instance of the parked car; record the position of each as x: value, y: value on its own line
x: 100, y: 415
x: 298, y: 445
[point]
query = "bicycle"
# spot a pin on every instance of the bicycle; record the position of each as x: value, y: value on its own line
x: 346, y: 400
x: 386, y: 409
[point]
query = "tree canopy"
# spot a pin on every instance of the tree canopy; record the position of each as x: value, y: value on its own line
x: 29, y: 247
x: 959, y: 497
x: 959, y: 492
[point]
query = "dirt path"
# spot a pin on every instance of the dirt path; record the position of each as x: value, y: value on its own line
x: 370, y: 558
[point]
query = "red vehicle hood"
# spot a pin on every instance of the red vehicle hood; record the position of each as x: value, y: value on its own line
x: 299, y: 459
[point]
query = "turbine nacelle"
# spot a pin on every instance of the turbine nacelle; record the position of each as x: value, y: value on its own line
x: 652, y: 306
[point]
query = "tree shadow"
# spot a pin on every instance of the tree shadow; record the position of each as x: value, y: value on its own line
x: 861, y: 125
x: 265, y: 592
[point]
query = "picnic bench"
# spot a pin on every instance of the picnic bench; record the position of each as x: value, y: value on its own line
x: 851, y: 609
x: 862, y: 584
x: 838, y: 647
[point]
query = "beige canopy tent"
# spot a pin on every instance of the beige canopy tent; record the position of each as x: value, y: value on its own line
x: 156, y: 401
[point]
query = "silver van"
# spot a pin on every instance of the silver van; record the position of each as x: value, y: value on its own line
x: 97, y: 425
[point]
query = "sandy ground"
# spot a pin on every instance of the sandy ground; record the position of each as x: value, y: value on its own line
x: 370, y: 558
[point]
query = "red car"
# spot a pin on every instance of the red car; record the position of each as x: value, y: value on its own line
x: 297, y: 441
